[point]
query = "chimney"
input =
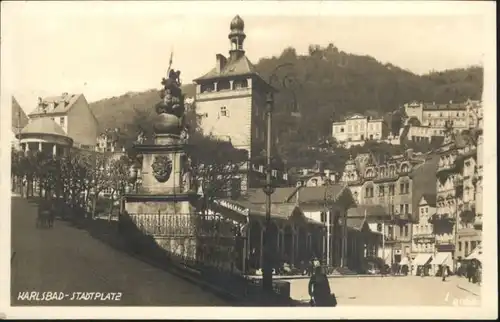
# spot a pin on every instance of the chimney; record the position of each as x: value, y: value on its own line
x: 220, y: 62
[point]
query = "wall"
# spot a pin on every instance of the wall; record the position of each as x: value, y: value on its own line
x: 437, y: 118
x: 237, y: 124
x: 81, y: 124
x: 423, y: 229
x: 414, y: 110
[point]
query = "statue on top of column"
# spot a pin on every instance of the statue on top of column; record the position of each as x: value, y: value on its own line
x: 171, y: 109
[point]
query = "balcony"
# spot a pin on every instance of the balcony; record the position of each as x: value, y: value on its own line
x: 441, y: 218
x: 445, y: 244
x: 403, y: 217
x: 446, y: 169
x: 424, y: 238
x: 478, y: 222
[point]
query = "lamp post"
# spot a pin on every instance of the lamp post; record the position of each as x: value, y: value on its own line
x: 267, y: 270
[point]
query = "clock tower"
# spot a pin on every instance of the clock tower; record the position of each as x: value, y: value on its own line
x: 231, y: 98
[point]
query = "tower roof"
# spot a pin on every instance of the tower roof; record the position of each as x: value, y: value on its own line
x: 43, y: 125
x: 60, y: 104
x: 237, y: 23
x: 233, y: 67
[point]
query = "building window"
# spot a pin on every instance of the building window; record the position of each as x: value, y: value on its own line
x: 223, y: 111
x: 381, y: 191
x: 391, y: 190
x: 240, y: 84
x: 459, y: 246
x: 369, y: 192
x: 407, y: 209
x: 393, y: 209
x: 223, y: 85
x: 61, y: 121
x: 401, y: 209
x: 323, y: 217
x: 472, y: 245
x: 379, y: 228
x: 466, y: 248
x: 341, y: 130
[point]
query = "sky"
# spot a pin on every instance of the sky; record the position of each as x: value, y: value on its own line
x: 108, y: 49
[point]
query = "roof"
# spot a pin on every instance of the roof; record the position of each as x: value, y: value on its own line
x: 62, y: 104
x: 430, y: 199
x: 368, y: 212
x: 282, y: 211
x: 234, y: 67
x: 448, y: 106
x: 257, y: 195
x: 43, y: 125
x: 355, y: 222
x: 318, y: 194
x: 423, y: 181
x: 19, y: 118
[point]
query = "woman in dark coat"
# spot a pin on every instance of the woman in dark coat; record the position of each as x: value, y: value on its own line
x: 319, y: 289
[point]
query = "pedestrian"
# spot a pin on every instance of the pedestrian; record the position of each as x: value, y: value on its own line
x: 319, y: 289
x: 470, y: 271
x: 479, y: 272
x: 444, y: 272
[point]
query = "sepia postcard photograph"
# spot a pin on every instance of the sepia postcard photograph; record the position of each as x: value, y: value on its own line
x: 248, y: 160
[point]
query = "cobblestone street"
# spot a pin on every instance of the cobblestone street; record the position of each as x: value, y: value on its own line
x: 390, y: 291
x: 66, y: 259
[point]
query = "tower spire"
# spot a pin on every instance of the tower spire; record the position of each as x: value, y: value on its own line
x: 237, y: 37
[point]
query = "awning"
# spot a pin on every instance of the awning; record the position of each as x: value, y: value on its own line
x: 476, y: 254
x: 404, y: 261
x: 442, y: 258
x: 421, y: 259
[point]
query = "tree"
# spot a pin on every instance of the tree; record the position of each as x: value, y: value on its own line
x: 100, y: 177
x: 215, y: 166
x: 215, y: 163
x: 118, y: 175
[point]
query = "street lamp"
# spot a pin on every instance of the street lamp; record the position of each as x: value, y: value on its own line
x: 267, y: 270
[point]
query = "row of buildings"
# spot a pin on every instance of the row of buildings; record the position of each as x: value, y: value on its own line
x: 421, y: 122
x: 397, y: 209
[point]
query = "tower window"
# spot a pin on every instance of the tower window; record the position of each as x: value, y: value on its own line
x: 223, y: 111
x: 223, y: 85
x: 61, y: 121
x: 240, y: 84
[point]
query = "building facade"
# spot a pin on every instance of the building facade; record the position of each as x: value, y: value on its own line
x: 457, y: 223
x: 71, y: 112
x: 231, y: 99
x: 436, y: 116
x: 423, y: 237
x: 19, y: 121
x: 396, y: 185
x: 358, y: 128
